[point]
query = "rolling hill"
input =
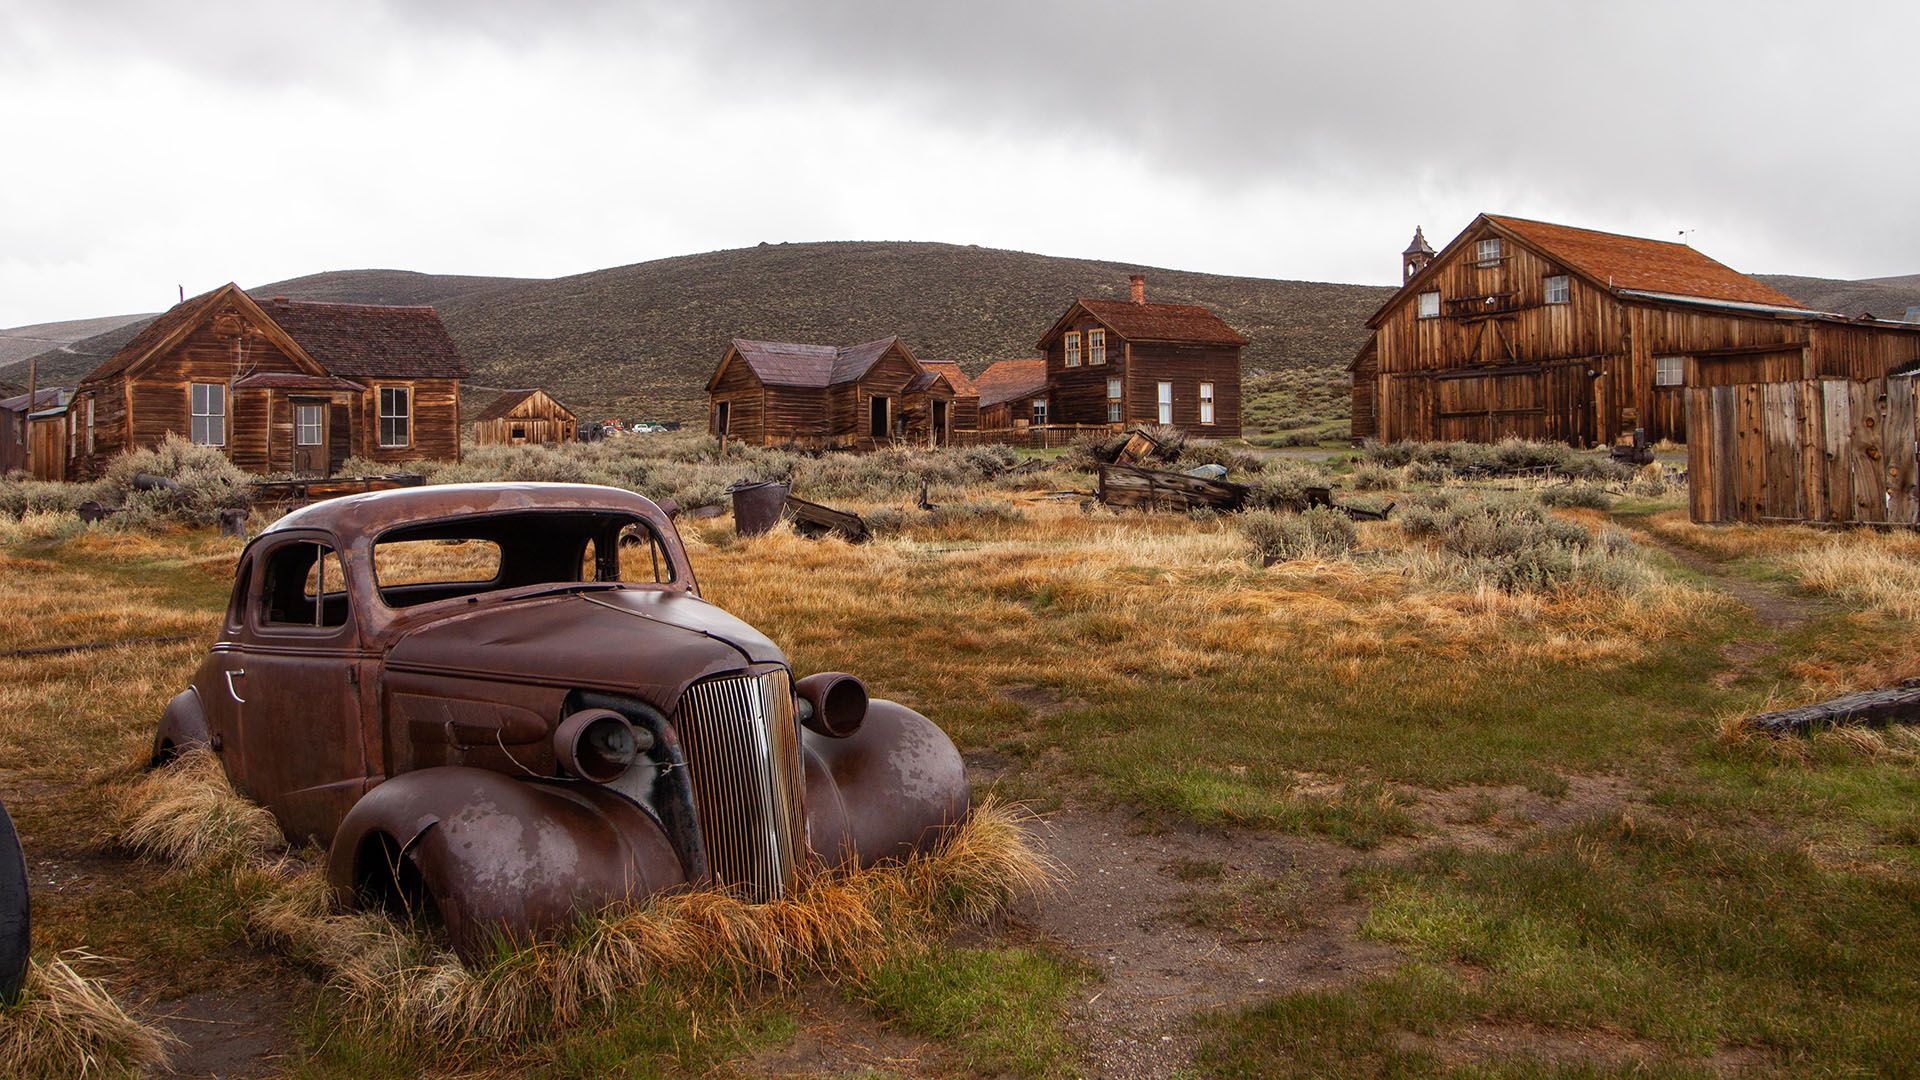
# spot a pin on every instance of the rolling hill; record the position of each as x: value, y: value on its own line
x: 640, y: 340
x: 21, y: 342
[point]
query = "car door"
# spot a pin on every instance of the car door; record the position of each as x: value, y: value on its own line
x: 296, y: 684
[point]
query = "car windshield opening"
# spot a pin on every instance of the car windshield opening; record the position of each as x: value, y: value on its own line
x: 441, y: 560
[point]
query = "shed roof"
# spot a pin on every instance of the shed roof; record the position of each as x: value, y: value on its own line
x: 46, y: 397
x: 1187, y: 324
x: 510, y: 400
x: 962, y: 384
x: 1005, y: 380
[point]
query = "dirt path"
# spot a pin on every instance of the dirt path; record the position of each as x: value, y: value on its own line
x: 1775, y: 607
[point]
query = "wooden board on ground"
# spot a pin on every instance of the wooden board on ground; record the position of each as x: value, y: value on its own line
x: 1159, y: 489
x: 814, y: 521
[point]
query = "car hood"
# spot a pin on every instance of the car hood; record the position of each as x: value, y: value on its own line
x: 644, y: 642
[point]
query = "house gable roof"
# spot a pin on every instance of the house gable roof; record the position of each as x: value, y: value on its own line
x: 510, y: 400
x: 1005, y: 380
x: 786, y: 363
x: 1622, y: 265
x: 963, y: 385
x: 346, y: 340
x: 1180, y: 324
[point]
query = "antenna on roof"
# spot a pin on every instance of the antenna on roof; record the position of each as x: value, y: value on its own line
x: 1685, y: 233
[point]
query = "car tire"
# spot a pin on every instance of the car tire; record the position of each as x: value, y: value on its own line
x: 16, y: 923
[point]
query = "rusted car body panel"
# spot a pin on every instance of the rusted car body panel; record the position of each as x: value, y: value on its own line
x: 411, y: 727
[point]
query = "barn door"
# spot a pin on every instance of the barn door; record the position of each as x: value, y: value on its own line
x: 1491, y: 407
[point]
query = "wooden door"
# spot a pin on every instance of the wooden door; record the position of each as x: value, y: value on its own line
x: 310, y: 457
x: 939, y: 422
x: 1490, y: 407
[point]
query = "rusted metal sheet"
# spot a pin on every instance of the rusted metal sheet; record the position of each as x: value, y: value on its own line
x: 549, y: 721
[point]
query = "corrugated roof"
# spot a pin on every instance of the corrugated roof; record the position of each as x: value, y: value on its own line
x: 1633, y: 262
x: 1183, y: 323
x: 961, y: 382
x: 1005, y: 380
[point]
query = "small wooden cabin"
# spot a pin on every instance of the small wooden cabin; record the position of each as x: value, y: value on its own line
x: 1538, y: 331
x: 518, y: 417
x: 1131, y: 362
x: 966, y: 396
x: 1013, y: 393
x: 39, y: 421
x: 281, y: 386
x: 845, y: 397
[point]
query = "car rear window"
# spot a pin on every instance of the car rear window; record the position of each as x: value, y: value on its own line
x: 435, y: 562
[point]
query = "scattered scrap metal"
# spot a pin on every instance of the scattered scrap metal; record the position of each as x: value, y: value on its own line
x: 1141, y: 488
x: 1875, y: 708
x: 758, y: 506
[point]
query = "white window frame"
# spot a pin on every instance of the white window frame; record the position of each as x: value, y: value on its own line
x: 1072, y: 343
x: 1114, y: 406
x: 202, y: 414
x: 1164, y: 394
x: 1487, y: 252
x: 1559, y: 289
x: 1427, y: 304
x: 1669, y: 371
x: 300, y: 427
x: 382, y: 416
x: 1038, y: 411
x: 89, y: 425
x: 1206, y: 403
x: 1096, y: 346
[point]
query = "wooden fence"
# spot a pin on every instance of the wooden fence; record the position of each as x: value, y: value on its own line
x: 1832, y: 450
x: 1039, y: 437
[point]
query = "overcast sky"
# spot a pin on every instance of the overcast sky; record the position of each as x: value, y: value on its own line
x: 191, y: 142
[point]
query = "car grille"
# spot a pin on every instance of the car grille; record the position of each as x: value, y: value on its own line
x: 742, y: 746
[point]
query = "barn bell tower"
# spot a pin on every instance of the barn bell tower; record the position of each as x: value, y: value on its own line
x: 1416, y: 257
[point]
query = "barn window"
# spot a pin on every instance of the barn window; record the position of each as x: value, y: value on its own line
x: 209, y: 422
x: 1166, y: 403
x: 518, y: 431
x: 1669, y: 370
x: 1039, y: 411
x: 1558, y: 290
x: 1113, y: 402
x: 1206, y: 403
x: 1073, y: 348
x: 1096, y: 346
x: 1429, y: 305
x: 1488, y: 251
x: 396, y: 416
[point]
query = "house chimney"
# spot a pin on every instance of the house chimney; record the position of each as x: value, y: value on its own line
x: 1139, y: 283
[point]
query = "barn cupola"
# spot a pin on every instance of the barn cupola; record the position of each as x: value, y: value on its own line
x: 1415, y: 259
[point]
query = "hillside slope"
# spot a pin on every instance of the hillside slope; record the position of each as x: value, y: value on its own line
x: 642, y: 339
x: 21, y: 342
x: 73, y: 357
x: 1887, y: 298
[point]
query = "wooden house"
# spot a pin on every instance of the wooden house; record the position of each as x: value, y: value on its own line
x: 1013, y: 394
x: 33, y: 432
x: 1527, y: 329
x: 1121, y: 362
x: 966, y: 396
x: 518, y: 417
x: 844, y: 397
x: 279, y: 385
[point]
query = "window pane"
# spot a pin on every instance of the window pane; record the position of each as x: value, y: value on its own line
x: 1113, y: 389
x: 418, y: 562
x: 1429, y: 305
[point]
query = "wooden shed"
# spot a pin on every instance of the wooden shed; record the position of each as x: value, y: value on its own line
x: 278, y: 385
x: 1823, y: 446
x: 845, y: 397
x: 1013, y: 393
x: 47, y: 430
x: 524, y: 416
x: 1539, y: 331
x: 966, y: 395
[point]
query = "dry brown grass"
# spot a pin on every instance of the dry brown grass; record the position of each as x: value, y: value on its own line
x: 188, y: 814
x: 1873, y: 570
x: 67, y: 1024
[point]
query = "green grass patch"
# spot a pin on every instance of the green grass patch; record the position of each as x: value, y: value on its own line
x: 1001, y: 1008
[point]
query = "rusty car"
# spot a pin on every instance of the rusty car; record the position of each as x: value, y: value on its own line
x: 508, y: 705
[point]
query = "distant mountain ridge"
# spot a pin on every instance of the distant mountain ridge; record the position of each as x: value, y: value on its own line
x: 640, y: 340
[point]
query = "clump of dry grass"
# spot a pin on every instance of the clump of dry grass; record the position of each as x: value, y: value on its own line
x: 1879, y: 571
x: 186, y: 813
x: 67, y: 1024
x: 839, y: 924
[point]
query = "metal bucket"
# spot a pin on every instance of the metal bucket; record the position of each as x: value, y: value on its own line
x: 757, y: 507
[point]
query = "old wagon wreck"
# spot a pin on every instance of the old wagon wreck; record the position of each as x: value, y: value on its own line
x: 508, y: 704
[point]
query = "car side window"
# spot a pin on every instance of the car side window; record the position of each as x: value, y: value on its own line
x: 643, y: 558
x: 302, y: 585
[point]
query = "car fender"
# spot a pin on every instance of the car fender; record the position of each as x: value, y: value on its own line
x: 183, y: 725
x: 887, y: 791
x: 500, y: 855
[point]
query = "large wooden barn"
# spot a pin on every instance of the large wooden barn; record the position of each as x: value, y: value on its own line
x: 279, y: 385
x: 846, y: 397
x: 521, y: 417
x: 1131, y: 362
x: 1539, y: 331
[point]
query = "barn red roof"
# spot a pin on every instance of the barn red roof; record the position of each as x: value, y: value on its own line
x: 1005, y: 380
x: 1633, y: 262
x: 1184, y: 323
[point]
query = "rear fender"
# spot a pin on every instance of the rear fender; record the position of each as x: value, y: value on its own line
x: 888, y: 791
x: 497, y: 855
x: 183, y: 726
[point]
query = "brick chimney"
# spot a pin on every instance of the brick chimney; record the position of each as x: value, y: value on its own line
x: 1139, y: 283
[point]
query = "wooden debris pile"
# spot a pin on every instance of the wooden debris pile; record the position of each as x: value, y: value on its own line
x: 1875, y: 708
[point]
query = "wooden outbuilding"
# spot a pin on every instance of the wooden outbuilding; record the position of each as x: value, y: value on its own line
x: 966, y: 395
x: 1131, y: 362
x: 844, y: 397
x: 37, y: 421
x: 1013, y: 394
x: 279, y: 385
x: 519, y: 417
x: 1538, y: 331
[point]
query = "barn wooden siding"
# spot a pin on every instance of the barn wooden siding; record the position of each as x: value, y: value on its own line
x: 536, y: 418
x: 1821, y: 449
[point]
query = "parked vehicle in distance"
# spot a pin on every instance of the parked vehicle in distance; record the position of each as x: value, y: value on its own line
x: 509, y: 703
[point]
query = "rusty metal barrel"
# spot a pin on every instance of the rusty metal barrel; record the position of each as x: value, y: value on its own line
x: 757, y: 506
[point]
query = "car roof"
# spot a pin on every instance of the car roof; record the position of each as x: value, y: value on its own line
x: 378, y: 511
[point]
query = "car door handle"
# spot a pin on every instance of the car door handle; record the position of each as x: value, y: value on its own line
x: 231, y: 674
